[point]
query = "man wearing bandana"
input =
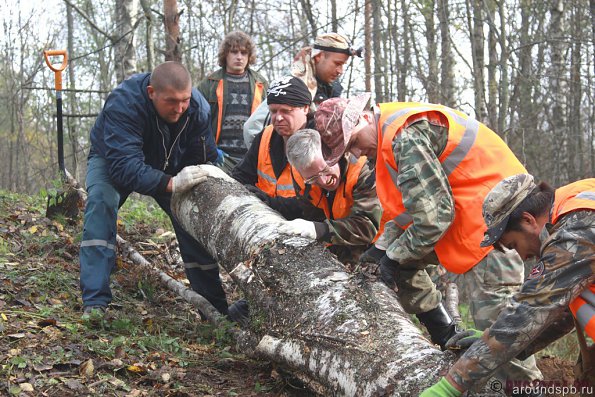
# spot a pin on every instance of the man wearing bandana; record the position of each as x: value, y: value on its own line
x: 558, y: 228
x: 434, y: 167
x: 319, y: 67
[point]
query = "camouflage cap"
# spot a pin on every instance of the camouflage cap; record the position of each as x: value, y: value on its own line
x: 335, y: 120
x: 501, y: 201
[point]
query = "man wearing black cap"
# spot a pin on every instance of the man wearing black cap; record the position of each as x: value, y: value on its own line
x: 265, y: 170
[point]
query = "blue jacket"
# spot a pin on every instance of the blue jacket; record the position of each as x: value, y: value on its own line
x: 129, y: 134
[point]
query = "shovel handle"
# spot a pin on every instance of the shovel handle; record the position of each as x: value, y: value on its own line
x: 57, y: 68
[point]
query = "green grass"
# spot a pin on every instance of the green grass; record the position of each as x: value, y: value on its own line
x: 143, y: 210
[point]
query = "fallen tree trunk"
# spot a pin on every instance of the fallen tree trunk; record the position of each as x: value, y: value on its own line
x: 341, y: 331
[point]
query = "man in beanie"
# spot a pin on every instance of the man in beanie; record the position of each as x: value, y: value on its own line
x: 345, y: 190
x: 434, y: 167
x: 557, y: 227
x: 319, y: 66
x: 265, y: 170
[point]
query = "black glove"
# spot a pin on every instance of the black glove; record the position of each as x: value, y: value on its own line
x: 372, y: 255
x: 239, y: 311
x: 463, y: 339
x: 388, y: 271
x: 258, y: 193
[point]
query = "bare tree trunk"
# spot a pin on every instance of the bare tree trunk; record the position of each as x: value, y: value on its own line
x: 447, y: 77
x: 558, y: 89
x: 475, y: 22
x: 492, y: 100
x: 171, y: 19
x: 504, y: 85
x: 431, y: 80
x: 71, y: 104
x: 575, y: 112
x: 307, y: 8
x: 346, y: 333
x: 403, y: 53
x: 592, y: 12
x: 379, y: 57
x: 334, y: 21
x: 124, y: 48
x: 368, y: 40
x: 149, y: 43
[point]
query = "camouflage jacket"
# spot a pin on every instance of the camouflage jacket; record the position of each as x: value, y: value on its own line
x: 427, y: 195
x: 361, y: 225
x: 539, y: 312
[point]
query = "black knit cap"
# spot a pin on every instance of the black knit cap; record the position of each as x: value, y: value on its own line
x: 289, y: 90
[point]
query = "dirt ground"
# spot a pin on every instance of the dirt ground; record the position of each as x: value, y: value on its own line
x: 150, y: 343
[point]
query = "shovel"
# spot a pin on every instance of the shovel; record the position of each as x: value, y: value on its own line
x: 62, y: 203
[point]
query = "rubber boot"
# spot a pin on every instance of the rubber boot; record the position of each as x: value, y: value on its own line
x: 439, y: 324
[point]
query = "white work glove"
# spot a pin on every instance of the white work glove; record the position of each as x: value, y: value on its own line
x: 299, y: 227
x: 190, y: 176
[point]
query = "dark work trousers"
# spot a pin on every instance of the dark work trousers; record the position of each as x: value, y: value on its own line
x: 98, y: 245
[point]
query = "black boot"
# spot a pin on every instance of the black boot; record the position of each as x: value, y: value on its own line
x: 439, y: 324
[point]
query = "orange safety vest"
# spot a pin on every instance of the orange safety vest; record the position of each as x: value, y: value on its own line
x: 475, y: 159
x: 343, y: 200
x: 257, y: 99
x: 267, y: 181
x: 577, y: 196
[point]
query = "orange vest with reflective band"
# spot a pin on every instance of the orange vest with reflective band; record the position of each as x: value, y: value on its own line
x: 257, y: 99
x: 474, y: 160
x: 579, y: 195
x: 267, y: 181
x: 343, y: 200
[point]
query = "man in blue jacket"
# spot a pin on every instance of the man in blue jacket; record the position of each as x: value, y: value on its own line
x: 152, y: 132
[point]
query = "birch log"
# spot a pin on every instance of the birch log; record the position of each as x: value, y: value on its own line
x: 307, y: 313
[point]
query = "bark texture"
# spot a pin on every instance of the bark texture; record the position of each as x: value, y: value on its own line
x: 307, y: 314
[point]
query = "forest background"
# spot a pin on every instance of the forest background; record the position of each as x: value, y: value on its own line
x: 525, y: 68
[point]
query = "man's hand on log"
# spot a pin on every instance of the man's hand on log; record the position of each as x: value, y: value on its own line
x: 372, y: 255
x: 300, y: 227
x: 189, y: 177
x: 388, y: 271
x: 463, y: 339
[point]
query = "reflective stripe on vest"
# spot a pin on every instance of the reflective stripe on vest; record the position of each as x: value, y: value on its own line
x: 257, y: 100
x: 583, y: 309
x: 267, y: 181
x: 343, y: 200
x: 474, y: 160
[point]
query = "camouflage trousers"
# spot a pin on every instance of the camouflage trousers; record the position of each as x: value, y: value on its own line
x: 489, y: 286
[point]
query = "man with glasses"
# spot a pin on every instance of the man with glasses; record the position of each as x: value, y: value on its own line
x: 345, y: 189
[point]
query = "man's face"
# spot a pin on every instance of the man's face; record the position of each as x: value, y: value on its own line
x: 236, y: 61
x: 320, y: 174
x: 329, y: 65
x: 288, y: 119
x: 525, y: 241
x: 364, y: 140
x: 170, y: 103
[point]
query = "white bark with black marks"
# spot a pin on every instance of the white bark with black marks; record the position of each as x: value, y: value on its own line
x: 307, y: 313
